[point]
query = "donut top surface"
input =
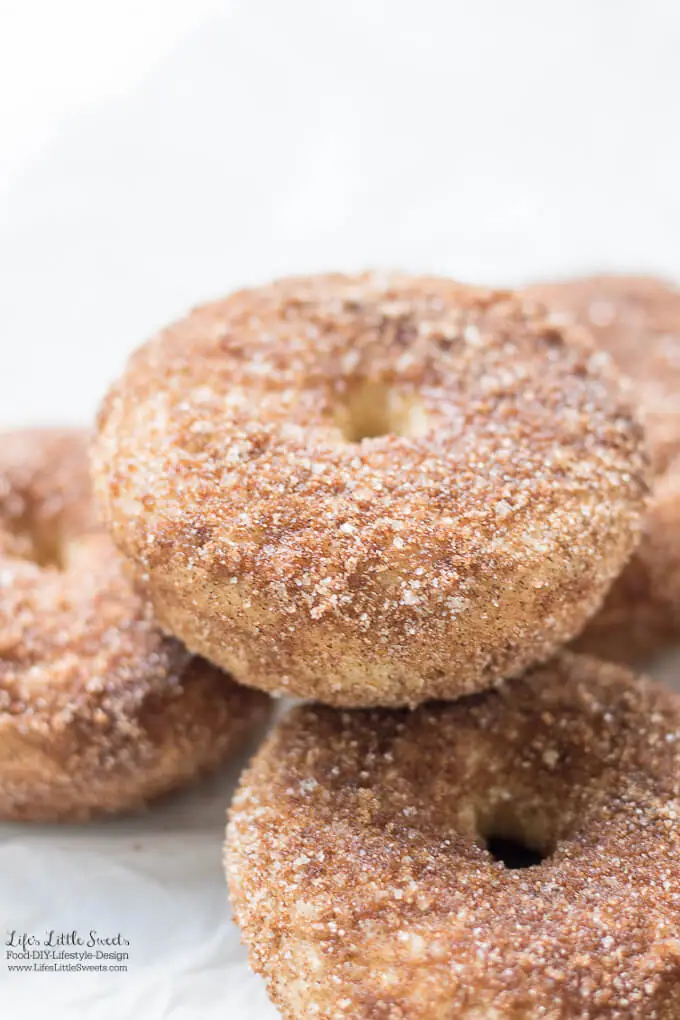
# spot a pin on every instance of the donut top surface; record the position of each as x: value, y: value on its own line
x: 637, y: 320
x: 295, y: 435
x: 359, y: 855
x: 74, y: 637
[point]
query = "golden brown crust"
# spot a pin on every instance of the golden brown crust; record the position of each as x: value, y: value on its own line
x: 637, y: 320
x: 471, y: 539
x: 99, y: 712
x: 361, y: 882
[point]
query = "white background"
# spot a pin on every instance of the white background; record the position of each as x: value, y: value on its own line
x: 153, y: 154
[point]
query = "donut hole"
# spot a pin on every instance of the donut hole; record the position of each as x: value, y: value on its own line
x: 374, y: 409
x: 513, y: 853
x: 515, y: 838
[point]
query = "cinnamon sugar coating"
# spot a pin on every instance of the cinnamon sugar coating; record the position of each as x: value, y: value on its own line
x: 359, y: 874
x: 99, y: 712
x: 640, y: 616
x: 371, y: 490
x: 637, y: 320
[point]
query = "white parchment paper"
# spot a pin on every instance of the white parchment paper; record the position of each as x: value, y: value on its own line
x: 156, y: 880
x: 154, y: 153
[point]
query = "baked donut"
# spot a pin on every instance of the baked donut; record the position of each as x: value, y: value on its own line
x: 637, y: 321
x: 371, y: 490
x: 640, y: 616
x: 374, y: 857
x: 99, y: 712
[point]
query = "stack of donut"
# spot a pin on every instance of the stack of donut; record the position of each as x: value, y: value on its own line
x: 398, y: 499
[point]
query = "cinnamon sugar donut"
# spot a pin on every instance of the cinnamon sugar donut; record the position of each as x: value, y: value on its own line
x: 368, y: 855
x: 370, y: 490
x: 99, y: 712
x: 637, y: 320
x: 640, y: 616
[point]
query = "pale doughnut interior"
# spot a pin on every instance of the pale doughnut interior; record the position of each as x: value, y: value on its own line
x: 374, y: 409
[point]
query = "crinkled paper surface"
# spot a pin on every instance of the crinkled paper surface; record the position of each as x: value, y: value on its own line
x: 156, y: 880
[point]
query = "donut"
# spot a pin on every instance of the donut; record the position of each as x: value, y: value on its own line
x: 637, y: 321
x: 640, y: 616
x: 371, y: 490
x: 511, y: 855
x: 99, y: 711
